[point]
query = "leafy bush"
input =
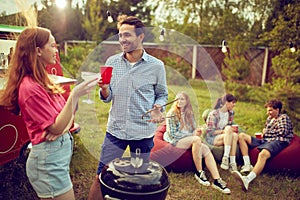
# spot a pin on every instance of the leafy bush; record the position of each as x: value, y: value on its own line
x: 247, y: 93
x: 285, y: 84
x: 180, y: 67
x: 236, y: 67
x: 73, y: 61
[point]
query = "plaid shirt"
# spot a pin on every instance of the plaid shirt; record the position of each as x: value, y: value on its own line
x: 133, y: 91
x: 213, y: 119
x: 280, y: 129
x: 173, y: 133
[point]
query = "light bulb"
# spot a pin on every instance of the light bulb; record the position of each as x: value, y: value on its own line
x: 224, y: 49
x: 110, y: 19
x: 161, y: 38
x: 292, y: 47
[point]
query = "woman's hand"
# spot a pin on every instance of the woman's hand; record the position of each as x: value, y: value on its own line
x: 49, y: 137
x: 198, y: 132
x: 217, y: 132
x: 84, y: 88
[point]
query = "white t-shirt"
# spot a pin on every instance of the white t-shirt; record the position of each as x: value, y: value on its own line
x: 224, y: 117
x: 132, y: 63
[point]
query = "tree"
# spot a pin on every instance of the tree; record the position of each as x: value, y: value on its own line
x: 94, y: 20
x: 65, y: 24
x: 285, y: 28
x: 211, y: 21
x: 285, y: 84
x: 95, y: 17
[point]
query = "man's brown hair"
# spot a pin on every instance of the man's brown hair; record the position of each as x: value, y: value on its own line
x: 274, y: 104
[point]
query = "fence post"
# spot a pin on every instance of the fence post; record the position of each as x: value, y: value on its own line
x: 265, y: 66
x: 194, y: 62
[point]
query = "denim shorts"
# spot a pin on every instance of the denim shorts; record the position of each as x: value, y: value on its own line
x: 48, y: 168
x: 113, y: 147
x: 210, y: 139
x: 274, y: 146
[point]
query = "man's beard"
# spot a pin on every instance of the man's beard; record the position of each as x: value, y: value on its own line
x: 128, y: 47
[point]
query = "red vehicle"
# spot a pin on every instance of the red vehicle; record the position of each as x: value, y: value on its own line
x: 14, y: 138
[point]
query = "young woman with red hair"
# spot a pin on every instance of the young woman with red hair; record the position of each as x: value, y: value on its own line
x: 47, y: 115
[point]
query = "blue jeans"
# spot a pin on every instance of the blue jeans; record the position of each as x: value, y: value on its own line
x: 113, y: 147
x: 48, y: 168
x: 274, y: 147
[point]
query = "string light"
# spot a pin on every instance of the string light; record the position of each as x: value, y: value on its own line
x: 109, y: 17
x: 162, y: 35
x: 224, y: 48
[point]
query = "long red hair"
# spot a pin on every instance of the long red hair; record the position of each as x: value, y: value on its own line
x: 25, y: 62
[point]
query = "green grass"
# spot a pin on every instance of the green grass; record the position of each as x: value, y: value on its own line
x: 92, y: 119
x: 249, y: 116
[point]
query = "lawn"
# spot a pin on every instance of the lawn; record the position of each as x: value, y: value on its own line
x: 92, y: 119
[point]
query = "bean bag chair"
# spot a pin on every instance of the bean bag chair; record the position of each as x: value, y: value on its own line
x: 218, y: 151
x: 180, y: 160
x: 172, y: 158
x: 287, y: 160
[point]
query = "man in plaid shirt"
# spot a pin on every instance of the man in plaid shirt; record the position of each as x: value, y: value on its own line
x: 277, y: 134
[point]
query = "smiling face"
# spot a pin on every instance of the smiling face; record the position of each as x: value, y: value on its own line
x: 128, y: 39
x: 230, y: 105
x: 181, y: 102
x: 47, y: 53
x: 272, y: 112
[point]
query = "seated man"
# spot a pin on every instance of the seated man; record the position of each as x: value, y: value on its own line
x: 277, y: 135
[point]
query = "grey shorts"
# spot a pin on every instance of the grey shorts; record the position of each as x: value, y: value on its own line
x: 47, y: 167
x: 274, y: 147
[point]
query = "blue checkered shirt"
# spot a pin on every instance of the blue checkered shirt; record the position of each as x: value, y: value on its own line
x: 133, y: 91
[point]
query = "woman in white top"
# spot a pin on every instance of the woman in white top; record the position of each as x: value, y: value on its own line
x: 219, y: 130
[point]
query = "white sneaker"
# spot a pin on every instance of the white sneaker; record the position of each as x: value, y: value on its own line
x: 243, y: 179
x: 201, y: 178
x: 246, y: 168
x: 220, y: 185
x: 225, y: 163
x: 232, y: 167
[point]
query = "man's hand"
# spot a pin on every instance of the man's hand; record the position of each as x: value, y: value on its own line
x: 156, y: 114
x: 104, y: 88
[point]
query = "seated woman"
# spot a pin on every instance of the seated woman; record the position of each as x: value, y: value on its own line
x: 219, y: 131
x: 181, y: 132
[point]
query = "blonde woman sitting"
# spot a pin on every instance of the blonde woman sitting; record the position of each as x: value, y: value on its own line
x: 181, y: 132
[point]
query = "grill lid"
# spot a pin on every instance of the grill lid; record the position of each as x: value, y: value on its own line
x: 130, y: 175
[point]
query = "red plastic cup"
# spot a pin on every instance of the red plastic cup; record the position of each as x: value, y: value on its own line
x: 258, y: 135
x: 106, y: 73
x: 235, y: 128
